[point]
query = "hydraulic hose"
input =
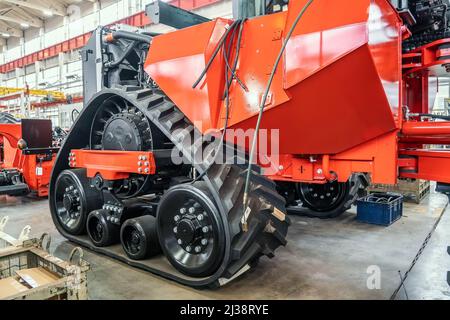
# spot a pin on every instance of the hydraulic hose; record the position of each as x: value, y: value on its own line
x: 120, y: 34
x: 263, y: 103
x: 127, y: 51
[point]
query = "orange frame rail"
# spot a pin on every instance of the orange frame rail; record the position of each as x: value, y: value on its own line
x: 113, y: 165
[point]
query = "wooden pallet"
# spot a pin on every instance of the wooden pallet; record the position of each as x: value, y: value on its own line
x: 68, y: 280
x: 411, y: 190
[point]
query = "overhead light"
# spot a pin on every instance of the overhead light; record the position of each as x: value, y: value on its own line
x: 24, y: 25
x: 5, y: 35
x: 47, y: 13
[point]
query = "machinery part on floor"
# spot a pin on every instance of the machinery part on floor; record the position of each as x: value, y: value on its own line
x: 101, y: 230
x: 74, y: 200
x: 139, y: 237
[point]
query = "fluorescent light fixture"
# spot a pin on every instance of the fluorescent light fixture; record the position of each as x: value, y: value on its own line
x: 24, y: 25
x: 47, y: 12
x: 5, y: 35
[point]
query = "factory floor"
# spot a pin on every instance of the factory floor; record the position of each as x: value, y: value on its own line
x: 324, y: 259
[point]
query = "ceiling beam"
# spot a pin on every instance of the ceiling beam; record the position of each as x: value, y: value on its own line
x: 31, y: 22
x: 13, y: 32
x: 56, y: 8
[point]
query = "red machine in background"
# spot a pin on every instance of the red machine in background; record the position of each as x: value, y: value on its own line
x: 26, y: 156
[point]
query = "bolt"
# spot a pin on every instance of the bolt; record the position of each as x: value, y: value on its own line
x: 205, y: 229
x: 200, y: 217
x: 144, y: 158
x: 139, y: 163
x: 183, y: 210
x: 191, y: 210
x: 319, y: 171
x: 146, y: 163
x: 198, y: 249
x: 188, y: 248
x: 140, y: 158
x: 280, y: 168
x: 176, y: 218
x: 180, y: 241
x: 147, y: 170
x: 204, y: 242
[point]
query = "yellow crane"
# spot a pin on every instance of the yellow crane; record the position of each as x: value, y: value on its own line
x: 32, y: 92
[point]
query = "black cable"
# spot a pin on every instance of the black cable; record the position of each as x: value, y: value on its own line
x: 236, y: 60
x: 434, y: 116
x: 226, y: 51
x: 213, y: 56
x: 264, y: 99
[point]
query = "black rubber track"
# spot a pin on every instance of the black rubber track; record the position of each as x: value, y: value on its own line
x: 225, y: 182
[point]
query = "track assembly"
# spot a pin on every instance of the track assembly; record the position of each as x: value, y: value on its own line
x: 198, y: 224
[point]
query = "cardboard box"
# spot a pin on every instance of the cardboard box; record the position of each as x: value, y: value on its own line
x: 10, y: 286
x: 36, y: 277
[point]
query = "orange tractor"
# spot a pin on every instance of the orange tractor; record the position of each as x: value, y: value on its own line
x: 26, y: 156
x: 193, y: 145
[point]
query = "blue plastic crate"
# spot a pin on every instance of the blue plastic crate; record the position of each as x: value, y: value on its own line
x: 380, y: 208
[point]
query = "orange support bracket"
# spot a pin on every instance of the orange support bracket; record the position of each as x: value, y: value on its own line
x: 113, y: 165
x: 427, y: 164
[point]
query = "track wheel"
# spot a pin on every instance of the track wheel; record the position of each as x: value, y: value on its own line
x: 139, y: 237
x: 190, y: 230
x: 329, y: 200
x: 74, y: 199
x: 101, y: 232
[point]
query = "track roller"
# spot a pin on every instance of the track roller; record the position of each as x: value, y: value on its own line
x: 74, y: 199
x: 190, y: 230
x: 139, y: 237
x: 102, y: 232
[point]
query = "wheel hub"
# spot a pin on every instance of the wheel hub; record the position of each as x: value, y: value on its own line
x: 322, y: 197
x: 126, y: 131
x: 191, y: 228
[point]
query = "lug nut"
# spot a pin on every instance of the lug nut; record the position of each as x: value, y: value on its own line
x: 139, y: 170
x: 175, y: 230
x: 139, y: 163
x: 191, y: 210
x: 146, y: 164
x: 204, y: 242
x: 146, y: 170
x: 180, y: 241
x: 200, y: 217
x: 198, y: 249
x: 183, y: 210
x: 176, y: 218
x: 188, y: 248
x: 205, y: 229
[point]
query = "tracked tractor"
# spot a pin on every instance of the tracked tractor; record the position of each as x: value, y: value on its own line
x: 192, y: 145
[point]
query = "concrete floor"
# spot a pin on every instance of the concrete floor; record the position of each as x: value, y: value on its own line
x: 324, y: 259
